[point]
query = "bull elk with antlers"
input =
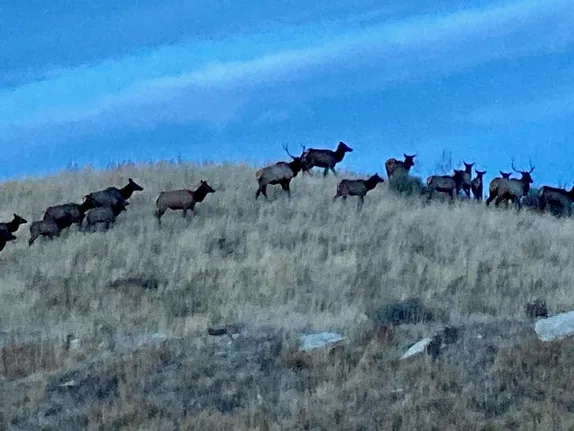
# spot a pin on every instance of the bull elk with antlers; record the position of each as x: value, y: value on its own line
x: 511, y: 189
x: 279, y: 173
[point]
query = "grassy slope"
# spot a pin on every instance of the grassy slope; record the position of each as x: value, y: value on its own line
x: 301, y: 265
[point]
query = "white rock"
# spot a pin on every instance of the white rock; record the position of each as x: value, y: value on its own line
x: 555, y: 327
x: 320, y: 340
x: 416, y: 348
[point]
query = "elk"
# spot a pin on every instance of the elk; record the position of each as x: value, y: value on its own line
x: 113, y: 196
x: 323, y: 158
x: 105, y: 215
x: 393, y: 165
x: 279, y: 173
x: 357, y: 188
x: 510, y: 188
x: 181, y: 199
x: 477, y: 185
x: 67, y: 214
x: 466, y: 178
x: 5, y: 236
x: 47, y: 227
x: 450, y: 184
x: 14, y: 224
x: 554, y: 196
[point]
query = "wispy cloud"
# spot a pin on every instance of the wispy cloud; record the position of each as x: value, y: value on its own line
x: 186, y: 83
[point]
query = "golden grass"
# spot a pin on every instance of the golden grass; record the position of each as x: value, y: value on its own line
x: 298, y: 265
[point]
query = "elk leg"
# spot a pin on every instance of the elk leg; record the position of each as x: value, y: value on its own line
x: 325, y: 172
x: 334, y: 171
x: 285, y: 186
x: 360, y: 202
x: 336, y: 196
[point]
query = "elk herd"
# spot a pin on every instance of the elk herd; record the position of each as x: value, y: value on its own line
x: 104, y: 206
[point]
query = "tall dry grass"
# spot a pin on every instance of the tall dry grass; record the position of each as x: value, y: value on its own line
x: 304, y: 264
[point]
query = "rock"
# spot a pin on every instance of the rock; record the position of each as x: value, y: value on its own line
x: 536, y: 308
x: 320, y: 340
x: 555, y: 327
x: 409, y: 311
x: 416, y: 348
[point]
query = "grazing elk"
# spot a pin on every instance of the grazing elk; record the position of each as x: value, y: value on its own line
x: 182, y: 199
x: 5, y: 236
x: 511, y: 189
x: 104, y: 215
x: 357, y: 188
x: 113, y: 196
x: 556, y: 197
x: 467, y: 178
x: 450, y: 184
x: 279, y: 173
x: 393, y: 166
x: 68, y: 214
x: 323, y: 158
x: 14, y: 224
x: 477, y: 185
x: 47, y: 227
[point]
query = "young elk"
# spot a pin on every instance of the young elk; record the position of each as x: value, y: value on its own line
x: 105, y: 215
x: 5, y: 236
x: 47, y: 227
x: 322, y: 158
x: 450, y: 184
x: 510, y: 188
x: 279, y: 173
x: 14, y: 224
x: 357, y: 188
x: 556, y: 197
x: 181, y: 199
x: 477, y: 185
x: 394, y: 165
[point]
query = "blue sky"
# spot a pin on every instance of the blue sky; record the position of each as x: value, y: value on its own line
x: 101, y: 82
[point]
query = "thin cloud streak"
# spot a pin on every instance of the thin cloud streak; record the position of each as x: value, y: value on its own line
x: 216, y: 92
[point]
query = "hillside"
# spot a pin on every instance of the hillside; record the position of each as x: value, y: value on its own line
x: 279, y: 269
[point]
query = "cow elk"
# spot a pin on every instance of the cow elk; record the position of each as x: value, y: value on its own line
x: 14, y: 224
x: 357, y: 188
x: 510, y: 189
x: 477, y: 185
x: 113, y: 196
x: 450, y: 184
x: 467, y: 178
x: 181, y: 199
x: 103, y: 215
x: 393, y: 166
x: 47, y: 227
x: 279, y: 173
x: 323, y: 158
x: 68, y: 214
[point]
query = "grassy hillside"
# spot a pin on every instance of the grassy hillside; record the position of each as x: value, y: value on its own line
x: 280, y: 268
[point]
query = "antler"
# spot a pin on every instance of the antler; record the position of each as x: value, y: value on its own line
x: 531, y: 167
x: 513, y: 168
x: 285, y: 147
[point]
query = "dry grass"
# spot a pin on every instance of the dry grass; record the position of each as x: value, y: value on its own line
x: 280, y: 267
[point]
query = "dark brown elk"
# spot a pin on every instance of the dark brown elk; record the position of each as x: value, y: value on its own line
x: 467, y: 178
x: 104, y: 215
x: 14, y: 224
x: 5, y: 236
x: 68, y: 214
x: 48, y: 228
x: 113, y: 196
x: 403, y: 166
x: 323, y: 158
x: 554, y: 197
x: 510, y: 189
x: 450, y: 184
x: 279, y: 173
x: 357, y: 188
x: 181, y: 199
x: 477, y: 185
x: 494, y: 182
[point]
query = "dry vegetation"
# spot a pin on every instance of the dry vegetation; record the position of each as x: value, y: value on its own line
x: 279, y: 268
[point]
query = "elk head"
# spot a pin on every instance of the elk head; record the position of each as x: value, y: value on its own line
x: 525, y: 175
